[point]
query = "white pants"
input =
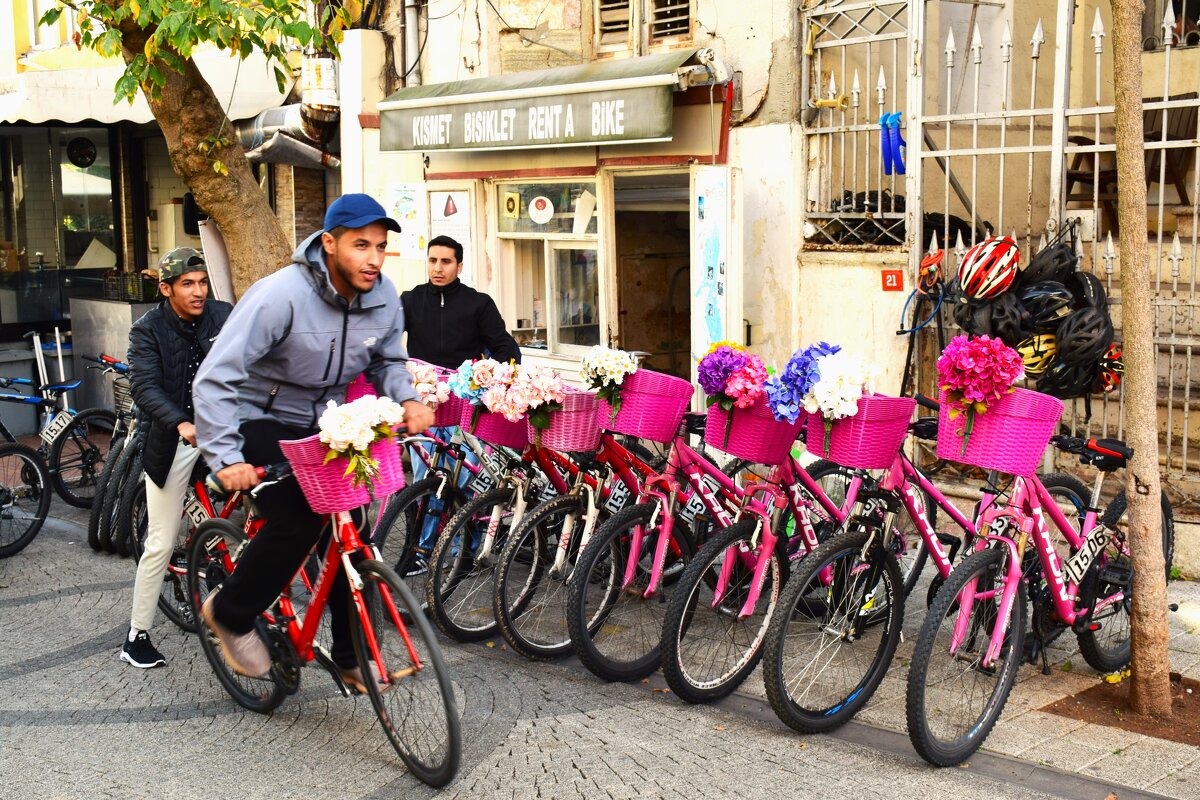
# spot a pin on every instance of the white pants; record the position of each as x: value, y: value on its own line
x: 164, y: 508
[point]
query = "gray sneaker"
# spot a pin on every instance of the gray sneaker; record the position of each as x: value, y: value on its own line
x: 245, y: 652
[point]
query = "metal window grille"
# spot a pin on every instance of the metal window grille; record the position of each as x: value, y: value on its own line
x: 1182, y: 23
x: 670, y: 18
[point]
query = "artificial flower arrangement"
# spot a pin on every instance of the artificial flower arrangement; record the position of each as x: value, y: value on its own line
x: 732, y: 378
x: 975, y: 373
x: 430, y: 388
x: 605, y: 369
x: 537, y: 391
x: 350, y: 429
x: 843, y: 380
x: 787, y: 390
x: 511, y: 390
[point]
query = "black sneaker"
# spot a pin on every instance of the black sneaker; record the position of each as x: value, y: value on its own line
x: 418, y: 566
x: 141, y: 653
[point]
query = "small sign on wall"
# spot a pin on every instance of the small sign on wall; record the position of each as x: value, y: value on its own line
x: 893, y: 280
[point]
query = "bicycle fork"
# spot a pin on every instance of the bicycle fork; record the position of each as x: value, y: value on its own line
x: 590, y: 514
x: 520, y: 505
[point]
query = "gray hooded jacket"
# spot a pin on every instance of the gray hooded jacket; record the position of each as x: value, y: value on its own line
x: 290, y: 345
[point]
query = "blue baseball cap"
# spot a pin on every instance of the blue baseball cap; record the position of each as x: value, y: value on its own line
x: 357, y: 211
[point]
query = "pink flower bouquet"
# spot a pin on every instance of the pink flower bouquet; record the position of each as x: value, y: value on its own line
x: 539, y: 390
x: 432, y: 390
x: 975, y: 373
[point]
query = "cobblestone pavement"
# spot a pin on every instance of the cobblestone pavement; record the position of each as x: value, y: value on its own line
x: 75, y: 722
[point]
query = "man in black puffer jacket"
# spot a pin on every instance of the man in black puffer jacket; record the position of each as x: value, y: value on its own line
x: 166, y: 347
x: 447, y: 321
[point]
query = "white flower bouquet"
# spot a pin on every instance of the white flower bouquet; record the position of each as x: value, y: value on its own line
x: 604, y: 370
x: 349, y: 430
x: 843, y: 380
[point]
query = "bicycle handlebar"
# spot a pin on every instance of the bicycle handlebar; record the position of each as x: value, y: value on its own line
x: 108, y: 362
x: 269, y: 475
x: 927, y: 402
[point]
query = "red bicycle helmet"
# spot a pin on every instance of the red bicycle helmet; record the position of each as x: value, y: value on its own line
x: 1110, y: 371
x: 989, y: 268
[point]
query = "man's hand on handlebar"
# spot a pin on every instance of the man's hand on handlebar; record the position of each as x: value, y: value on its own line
x: 238, y: 477
x: 187, y: 432
x: 418, y: 417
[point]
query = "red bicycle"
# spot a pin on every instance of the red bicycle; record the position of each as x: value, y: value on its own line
x: 412, y: 693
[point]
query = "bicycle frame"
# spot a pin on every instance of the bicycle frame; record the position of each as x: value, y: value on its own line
x: 1026, y: 510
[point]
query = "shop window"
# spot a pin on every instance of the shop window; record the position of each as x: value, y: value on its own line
x: 659, y: 21
x: 1186, y: 30
x: 550, y: 284
x: 86, y: 210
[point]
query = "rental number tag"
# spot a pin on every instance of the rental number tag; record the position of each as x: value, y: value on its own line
x: 195, y: 511
x: 56, y: 426
x: 484, y: 481
x: 1077, y: 565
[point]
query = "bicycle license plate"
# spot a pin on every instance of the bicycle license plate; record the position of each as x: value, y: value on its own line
x: 195, y: 511
x: 56, y: 426
x: 483, y: 481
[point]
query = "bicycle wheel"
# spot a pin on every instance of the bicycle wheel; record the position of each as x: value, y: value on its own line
x: 1114, y: 517
x: 459, y: 590
x: 211, y: 558
x: 123, y: 517
x: 615, y: 629
x: 96, y: 513
x: 24, y: 497
x: 530, y: 600
x: 412, y: 512
x: 416, y: 705
x: 827, y: 646
x: 112, y: 493
x: 78, y: 454
x: 953, y: 699
x: 172, y: 595
x: 708, y: 647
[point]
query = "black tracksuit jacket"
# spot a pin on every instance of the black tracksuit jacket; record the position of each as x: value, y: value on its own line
x: 449, y: 324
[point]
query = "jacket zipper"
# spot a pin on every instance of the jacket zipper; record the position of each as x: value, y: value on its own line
x: 271, y: 397
x: 342, y: 356
x: 329, y: 361
x: 442, y: 327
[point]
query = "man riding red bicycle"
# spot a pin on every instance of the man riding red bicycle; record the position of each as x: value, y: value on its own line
x: 294, y: 341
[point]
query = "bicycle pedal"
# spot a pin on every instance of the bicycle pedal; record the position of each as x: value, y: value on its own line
x: 322, y: 657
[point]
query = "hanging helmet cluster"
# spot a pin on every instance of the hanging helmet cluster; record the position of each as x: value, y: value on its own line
x: 1054, y: 315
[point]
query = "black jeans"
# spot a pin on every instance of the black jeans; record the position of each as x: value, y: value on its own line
x: 276, y: 553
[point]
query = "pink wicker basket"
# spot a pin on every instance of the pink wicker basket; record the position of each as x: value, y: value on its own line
x: 652, y: 406
x: 869, y: 439
x: 1010, y: 436
x: 449, y: 413
x: 753, y: 435
x: 573, y: 428
x: 494, y: 428
x: 324, y: 485
x: 359, y: 387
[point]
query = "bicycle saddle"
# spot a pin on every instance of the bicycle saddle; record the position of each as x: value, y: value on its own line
x: 59, y: 388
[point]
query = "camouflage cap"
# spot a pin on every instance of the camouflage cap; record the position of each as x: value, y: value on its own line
x: 180, y: 261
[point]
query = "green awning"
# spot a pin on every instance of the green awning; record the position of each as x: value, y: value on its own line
x: 607, y: 102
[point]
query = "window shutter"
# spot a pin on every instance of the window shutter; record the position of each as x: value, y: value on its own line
x: 613, y: 16
x: 670, y: 18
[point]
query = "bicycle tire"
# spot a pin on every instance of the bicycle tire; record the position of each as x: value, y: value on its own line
x: 210, y: 563
x: 172, y: 595
x: 459, y: 590
x: 95, y: 514
x: 929, y: 701
x: 689, y: 664
x: 809, y: 701
x: 615, y: 630
x: 122, y: 522
x: 432, y: 696
x: 1116, y: 510
x: 533, y: 618
x: 112, y: 494
x: 75, y: 461
x: 406, y: 512
x: 23, y: 478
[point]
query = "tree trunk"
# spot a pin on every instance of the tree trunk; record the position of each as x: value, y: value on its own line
x: 1150, y: 692
x: 188, y: 113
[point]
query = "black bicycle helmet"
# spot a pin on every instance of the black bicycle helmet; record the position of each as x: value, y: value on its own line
x: 1047, y: 303
x: 1088, y: 290
x: 1054, y: 262
x: 1084, y: 336
x: 1009, y: 319
x: 974, y: 318
x: 1065, y: 381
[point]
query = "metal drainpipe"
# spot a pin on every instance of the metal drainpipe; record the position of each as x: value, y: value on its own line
x: 410, y: 31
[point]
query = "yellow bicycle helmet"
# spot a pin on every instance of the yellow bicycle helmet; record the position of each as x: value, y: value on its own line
x: 1038, y: 353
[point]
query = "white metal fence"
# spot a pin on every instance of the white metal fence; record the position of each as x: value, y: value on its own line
x: 1004, y: 133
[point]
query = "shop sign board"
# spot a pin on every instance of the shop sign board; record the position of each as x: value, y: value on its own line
x: 595, y: 117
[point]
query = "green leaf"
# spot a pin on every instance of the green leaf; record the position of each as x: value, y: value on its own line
x: 50, y: 17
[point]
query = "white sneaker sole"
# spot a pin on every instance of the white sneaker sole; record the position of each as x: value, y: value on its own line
x: 128, y: 659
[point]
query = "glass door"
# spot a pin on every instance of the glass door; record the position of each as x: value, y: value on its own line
x: 575, y: 311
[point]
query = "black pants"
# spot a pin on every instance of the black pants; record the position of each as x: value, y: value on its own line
x: 275, y: 554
